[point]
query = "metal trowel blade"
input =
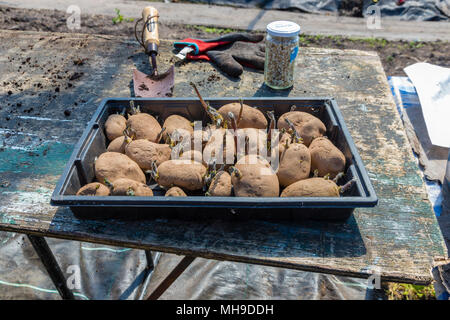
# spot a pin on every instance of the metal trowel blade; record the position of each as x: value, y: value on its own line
x: 146, y: 86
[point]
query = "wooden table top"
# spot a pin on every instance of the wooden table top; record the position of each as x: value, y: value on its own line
x: 45, y: 74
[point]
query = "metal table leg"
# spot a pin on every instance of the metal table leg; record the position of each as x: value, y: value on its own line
x: 151, y: 260
x: 176, y: 272
x: 51, y: 265
x: 150, y: 263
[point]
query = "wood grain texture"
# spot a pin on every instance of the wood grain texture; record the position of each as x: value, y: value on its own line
x: 399, y: 238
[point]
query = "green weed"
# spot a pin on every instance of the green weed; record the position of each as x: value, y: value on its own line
x: 120, y: 18
x: 415, y: 44
x: 402, y: 291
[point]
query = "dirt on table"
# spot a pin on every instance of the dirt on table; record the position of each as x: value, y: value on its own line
x: 395, y: 55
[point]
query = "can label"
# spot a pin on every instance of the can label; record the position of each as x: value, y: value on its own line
x: 294, y: 53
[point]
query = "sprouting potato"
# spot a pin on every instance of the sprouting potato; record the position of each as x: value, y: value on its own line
x: 280, y: 139
x: 118, y: 144
x: 192, y: 155
x: 93, y: 189
x: 253, y: 159
x: 187, y: 174
x: 326, y: 158
x: 128, y: 187
x: 313, y: 187
x: 295, y: 164
x: 207, y: 132
x: 176, y: 122
x: 111, y: 166
x: 114, y: 126
x: 144, y: 152
x: 175, y: 192
x: 284, y: 140
x: 144, y: 126
x: 251, y: 141
x: 253, y: 176
x: 220, y: 140
x: 220, y: 185
x: 250, y: 117
x: 308, y: 126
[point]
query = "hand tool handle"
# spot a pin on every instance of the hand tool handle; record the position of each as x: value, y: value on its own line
x: 151, y: 36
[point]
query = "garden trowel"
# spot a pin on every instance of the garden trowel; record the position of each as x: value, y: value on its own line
x: 156, y: 84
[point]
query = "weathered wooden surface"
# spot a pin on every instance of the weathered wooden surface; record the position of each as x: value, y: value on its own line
x: 399, y: 238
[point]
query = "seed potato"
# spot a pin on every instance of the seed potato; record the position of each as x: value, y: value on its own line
x: 144, y: 126
x: 175, y: 192
x: 219, y: 140
x: 326, y: 158
x: 295, y: 164
x: 253, y: 159
x: 176, y: 122
x: 144, y: 152
x: 114, y: 126
x: 93, y: 189
x: 254, y: 178
x: 118, y: 145
x: 285, y: 139
x: 250, y: 141
x: 308, y: 126
x: 128, y: 187
x: 313, y: 187
x: 187, y: 174
x: 251, y: 117
x: 113, y: 165
x: 192, y: 155
x: 220, y: 185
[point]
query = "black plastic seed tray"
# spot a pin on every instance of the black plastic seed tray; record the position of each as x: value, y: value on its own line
x: 80, y: 170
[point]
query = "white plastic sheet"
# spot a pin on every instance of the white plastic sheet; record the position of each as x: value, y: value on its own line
x: 432, y: 84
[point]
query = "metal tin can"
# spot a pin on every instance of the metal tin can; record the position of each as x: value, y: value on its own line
x: 281, y: 51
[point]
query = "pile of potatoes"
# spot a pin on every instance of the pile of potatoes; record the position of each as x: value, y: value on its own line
x: 140, y: 153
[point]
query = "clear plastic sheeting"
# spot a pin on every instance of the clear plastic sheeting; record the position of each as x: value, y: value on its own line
x: 423, y: 10
x: 315, y: 6
x: 93, y: 271
x: 211, y: 279
x: 107, y: 272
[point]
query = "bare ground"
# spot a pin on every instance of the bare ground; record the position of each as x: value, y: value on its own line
x: 395, y: 55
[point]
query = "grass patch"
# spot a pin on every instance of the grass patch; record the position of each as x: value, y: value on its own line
x: 309, y: 39
x: 303, y: 39
x: 373, y: 42
x: 401, y: 291
x: 214, y: 30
